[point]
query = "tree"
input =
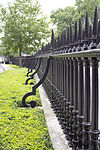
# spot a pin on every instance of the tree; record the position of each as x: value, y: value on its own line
x: 83, y: 6
x: 62, y: 18
x: 24, y: 27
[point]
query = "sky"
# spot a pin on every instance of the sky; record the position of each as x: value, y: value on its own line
x: 48, y: 5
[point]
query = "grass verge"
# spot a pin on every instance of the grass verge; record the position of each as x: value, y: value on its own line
x: 20, y: 128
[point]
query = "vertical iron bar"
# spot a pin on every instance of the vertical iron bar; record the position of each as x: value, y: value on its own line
x: 71, y: 107
x: 75, y: 98
x: 68, y: 98
x: 80, y: 102
x: 94, y: 122
x: 86, y: 123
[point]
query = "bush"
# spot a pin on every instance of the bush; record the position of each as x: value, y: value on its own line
x: 20, y: 128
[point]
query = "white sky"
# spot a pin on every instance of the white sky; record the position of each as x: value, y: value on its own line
x: 48, y: 5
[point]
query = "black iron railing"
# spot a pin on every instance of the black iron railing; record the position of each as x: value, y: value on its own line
x: 71, y: 82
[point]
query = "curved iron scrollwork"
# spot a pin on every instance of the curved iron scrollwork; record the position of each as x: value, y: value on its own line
x: 33, y: 103
x: 30, y: 69
x: 32, y: 75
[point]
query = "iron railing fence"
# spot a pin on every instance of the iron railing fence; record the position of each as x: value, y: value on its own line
x: 72, y: 82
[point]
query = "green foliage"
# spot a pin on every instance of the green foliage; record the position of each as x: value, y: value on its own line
x: 13, y: 66
x: 83, y: 6
x: 62, y: 18
x: 14, y: 82
x: 24, y: 27
x: 20, y: 128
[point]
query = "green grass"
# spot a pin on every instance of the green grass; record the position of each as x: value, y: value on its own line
x: 20, y: 128
x: 13, y: 66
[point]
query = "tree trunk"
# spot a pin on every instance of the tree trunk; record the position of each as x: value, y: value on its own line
x: 20, y: 58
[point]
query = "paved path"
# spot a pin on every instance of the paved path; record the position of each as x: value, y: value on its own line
x: 1, y: 69
x: 4, y: 67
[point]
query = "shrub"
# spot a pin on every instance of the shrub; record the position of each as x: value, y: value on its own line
x: 20, y: 128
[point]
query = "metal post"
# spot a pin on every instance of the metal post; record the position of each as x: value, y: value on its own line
x: 80, y: 102
x: 68, y: 98
x: 94, y: 122
x: 86, y: 123
x: 75, y: 98
x: 71, y: 107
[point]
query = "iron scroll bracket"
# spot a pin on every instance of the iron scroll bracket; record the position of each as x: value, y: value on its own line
x: 32, y: 103
x: 30, y: 69
x: 32, y: 75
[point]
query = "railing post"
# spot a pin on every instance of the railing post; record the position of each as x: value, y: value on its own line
x: 71, y: 107
x: 68, y: 98
x: 86, y: 123
x: 94, y: 122
x: 75, y: 97
x: 80, y: 102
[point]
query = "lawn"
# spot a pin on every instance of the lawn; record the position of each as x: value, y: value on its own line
x: 20, y: 128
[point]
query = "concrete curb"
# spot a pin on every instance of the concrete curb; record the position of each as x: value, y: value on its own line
x: 55, y: 131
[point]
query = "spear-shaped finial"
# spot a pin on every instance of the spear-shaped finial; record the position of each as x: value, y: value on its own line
x: 86, y: 26
x: 52, y: 39
x: 65, y: 37
x: 95, y: 23
x: 58, y: 41
x: 90, y: 31
x: 90, y: 34
x: 75, y: 31
x: 55, y: 46
x: 68, y: 36
x: 98, y: 36
x: 99, y: 27
x: 80, y: 30
x: 62, y: 40
x: 71, y: 34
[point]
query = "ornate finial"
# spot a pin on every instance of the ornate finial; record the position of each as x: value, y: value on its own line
x: 99, y: 27
x: 70, y: 33
x: 68, y: 40
x: 75, y: 31
x: 95, y: 23
x: 65, y: 38
x: 52, y: 39
x: 62, y: 39
x: 86, y: 33
x: 58, y: 42
x: 98, y: 36
x: 93, y: 39
x: 86, y: 26
x: 80, y: 30
x: 55, y: 46
x: 90, y: 31
x: 79, y: 36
